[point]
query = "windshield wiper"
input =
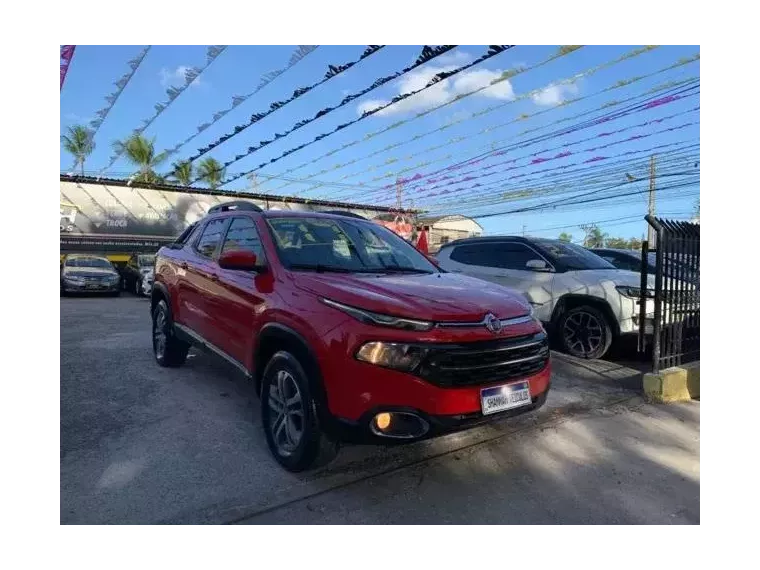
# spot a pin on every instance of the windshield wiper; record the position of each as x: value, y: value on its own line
x: 319, y: 268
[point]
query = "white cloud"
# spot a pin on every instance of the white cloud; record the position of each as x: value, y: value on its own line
x: 554, y: 94
x: 442, y: 91
x: 176, y: 77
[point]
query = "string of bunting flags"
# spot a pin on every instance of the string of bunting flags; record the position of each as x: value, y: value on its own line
x: 520, y: 118
x: 585, y: 177
x: 492, y: 51
x: 212, y: 53
x: 298, y: 54
x: 672, y: 157
x: 535, y: 159
x: 424, y: 180
x: 121, y: 84
x: 620, y: 84
x: 563, y: 51
x: 419, y: 178
x: 509, y: 74
x: 480, y: 188
x: 426, y: 55
x: 332, y: 71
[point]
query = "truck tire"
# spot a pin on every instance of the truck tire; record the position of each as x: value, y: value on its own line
x: 584, y: 332
x: 169, y: 351
x: 289, y: 416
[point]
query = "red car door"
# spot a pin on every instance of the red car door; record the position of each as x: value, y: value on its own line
x: 198, y: 283
x: 242, y: 295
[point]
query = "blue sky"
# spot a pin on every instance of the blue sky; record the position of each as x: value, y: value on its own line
x: 238, y: 70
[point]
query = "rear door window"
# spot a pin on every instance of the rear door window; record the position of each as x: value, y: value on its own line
x: 243, y: 235
x: 211, y: 237
x: 498, y: 255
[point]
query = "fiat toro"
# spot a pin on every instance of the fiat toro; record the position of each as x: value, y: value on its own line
x: 346, y: 330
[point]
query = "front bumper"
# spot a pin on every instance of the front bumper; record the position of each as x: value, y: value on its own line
x: 360, y: 432
x: 69, y: 287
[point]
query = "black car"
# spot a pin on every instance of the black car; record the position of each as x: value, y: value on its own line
x: 136, y: 271
x: 630, y: 259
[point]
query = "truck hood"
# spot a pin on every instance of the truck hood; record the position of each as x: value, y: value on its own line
x: 430, y: 297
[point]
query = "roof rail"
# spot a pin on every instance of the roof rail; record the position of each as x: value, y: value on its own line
x: 343, y: 213
x: 241, y: 205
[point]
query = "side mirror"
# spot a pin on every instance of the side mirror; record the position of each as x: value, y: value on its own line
x: 239, y: 259
x: 537, y: 265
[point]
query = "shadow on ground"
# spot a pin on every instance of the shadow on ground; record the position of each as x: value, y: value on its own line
x: 142, y: 444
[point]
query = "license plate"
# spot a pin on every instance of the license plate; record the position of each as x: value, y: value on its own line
x: 506, y: 397
x: 93, y: 286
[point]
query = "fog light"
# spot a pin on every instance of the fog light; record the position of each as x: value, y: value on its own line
x: 398, y: 425
x: 382, y: 421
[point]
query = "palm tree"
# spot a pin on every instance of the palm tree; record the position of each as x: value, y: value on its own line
x: 183, y: 172
x: 142, y: 153
x: 79, y: 143
x: 211, y: 172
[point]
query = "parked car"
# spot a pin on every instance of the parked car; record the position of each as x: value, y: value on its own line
x: 347, y: 331
x: 676, y: 267
x: 583, y: 300
x: 136, y: 272
x: 89, y: 274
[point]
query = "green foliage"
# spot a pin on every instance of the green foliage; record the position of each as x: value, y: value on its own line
x: 141, y: 152
x: 211, y: 172
x: 566, y: 237
x: 182, y: 172
x: 78, y: 142
x: 594, y: 236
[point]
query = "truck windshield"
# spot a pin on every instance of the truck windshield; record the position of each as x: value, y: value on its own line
x: 146, y: 260
x: 326, y: 244
x: 572, y: 256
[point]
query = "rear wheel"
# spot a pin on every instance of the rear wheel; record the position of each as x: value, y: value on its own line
x: 585, y: 332
x: 167, y: 348
x: 289, y: 416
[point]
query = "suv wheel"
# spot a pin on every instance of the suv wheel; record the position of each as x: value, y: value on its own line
x: 289, y: 416
x: 585, y: 332
x: 168, y: 349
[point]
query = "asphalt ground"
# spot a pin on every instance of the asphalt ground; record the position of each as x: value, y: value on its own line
x: 142, y: 444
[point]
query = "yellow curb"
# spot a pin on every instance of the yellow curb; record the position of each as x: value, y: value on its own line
x: 676, y: 384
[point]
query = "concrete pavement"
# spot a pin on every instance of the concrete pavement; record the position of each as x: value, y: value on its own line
x: 141, y: 444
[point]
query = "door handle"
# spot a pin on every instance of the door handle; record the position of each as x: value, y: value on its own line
x: 183, y: 265
x: 214, y: 277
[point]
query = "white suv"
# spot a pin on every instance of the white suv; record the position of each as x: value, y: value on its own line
x: 581, y: 298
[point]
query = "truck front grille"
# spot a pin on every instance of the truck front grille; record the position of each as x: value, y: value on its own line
x: 476, y: 363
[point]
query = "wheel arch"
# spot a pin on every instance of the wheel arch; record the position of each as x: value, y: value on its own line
x: 274, y: 337
x: 159, y: 292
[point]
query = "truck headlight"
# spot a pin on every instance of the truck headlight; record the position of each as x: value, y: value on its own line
x: 382, y: 320
x: 634, y: 292
x: 73, y: 279
x: 404, y: 357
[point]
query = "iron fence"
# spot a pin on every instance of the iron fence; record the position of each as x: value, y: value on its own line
x: 673, y: 298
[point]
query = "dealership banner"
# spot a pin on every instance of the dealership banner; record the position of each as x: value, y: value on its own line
x: 110, y: 217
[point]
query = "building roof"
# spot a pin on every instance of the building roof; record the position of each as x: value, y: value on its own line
x: 431, y: 220
x: 230, y: 194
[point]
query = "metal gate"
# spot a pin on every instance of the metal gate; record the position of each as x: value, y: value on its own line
x: 675, y: 320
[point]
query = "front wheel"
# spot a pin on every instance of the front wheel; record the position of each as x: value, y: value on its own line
x: 585, y: 332
x: 289, y: 416
x: 169, y: 351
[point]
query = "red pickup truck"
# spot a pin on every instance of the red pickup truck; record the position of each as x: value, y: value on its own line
x: 348, y: 332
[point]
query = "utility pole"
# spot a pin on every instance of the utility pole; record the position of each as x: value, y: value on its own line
x: 399, y: 194
x: 650, y: 230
